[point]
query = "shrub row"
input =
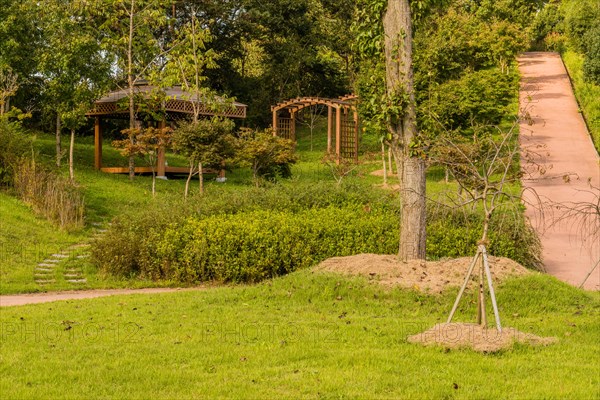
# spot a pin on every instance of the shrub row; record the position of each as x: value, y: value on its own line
x: 456, y: 235
x: 259, y: 244
x: 245, y: 247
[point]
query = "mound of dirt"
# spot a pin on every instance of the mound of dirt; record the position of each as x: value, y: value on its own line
x: 427, y: 276
x: 487, y: 340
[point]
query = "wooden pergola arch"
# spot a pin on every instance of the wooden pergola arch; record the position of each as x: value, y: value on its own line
x: 342, y: 116
x: 177, y: 106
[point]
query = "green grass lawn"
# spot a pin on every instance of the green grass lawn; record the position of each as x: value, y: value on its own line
x: 588, y: 94
x: 305, y: 335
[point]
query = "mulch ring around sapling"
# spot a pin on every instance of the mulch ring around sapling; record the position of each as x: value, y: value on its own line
x: 476, y: 337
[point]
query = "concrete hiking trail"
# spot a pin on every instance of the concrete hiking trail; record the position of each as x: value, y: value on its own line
x: 37, y: 298
x: 558, y: 134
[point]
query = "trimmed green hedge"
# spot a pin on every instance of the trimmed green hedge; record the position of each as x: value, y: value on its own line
x: 246, y: 247
x: 255, y: 245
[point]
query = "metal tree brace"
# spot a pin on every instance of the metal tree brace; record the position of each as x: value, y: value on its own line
x: 484, y: 269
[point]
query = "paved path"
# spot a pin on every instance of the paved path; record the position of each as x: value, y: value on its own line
x: 561, y: 138
x: 36, y: 298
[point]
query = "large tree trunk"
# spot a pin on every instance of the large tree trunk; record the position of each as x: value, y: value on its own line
x: 397, y: 26
x: 58, y: 143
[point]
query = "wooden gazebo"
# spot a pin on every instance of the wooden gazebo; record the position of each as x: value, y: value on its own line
x: 178, y: 104
x: 342, y: 116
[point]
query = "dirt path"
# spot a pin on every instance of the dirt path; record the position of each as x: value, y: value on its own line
x: 564, y: 145
x: 36, y: 298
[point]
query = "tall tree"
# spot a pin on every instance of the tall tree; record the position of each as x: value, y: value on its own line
x: 135, y: 33
x: 71, y: 64
x: 202, y: 142
x: 402, y: 126
x: 19, y: 42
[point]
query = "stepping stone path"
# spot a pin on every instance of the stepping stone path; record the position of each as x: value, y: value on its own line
x: 48, y: 271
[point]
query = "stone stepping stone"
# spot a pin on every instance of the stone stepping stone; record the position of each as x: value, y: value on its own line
x: 43, y: 282
x: 102, y: 230
x: 72, y: 275
x: 45, y: 272
x: 83, y: 256
x: 79, y: 246
x: 77, y: 280
x: 44, y: 269
x: 46, y: 265
x: 60, y: 255
x: 51, y: 261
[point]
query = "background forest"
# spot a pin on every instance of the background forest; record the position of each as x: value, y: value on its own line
x: 263, y: 52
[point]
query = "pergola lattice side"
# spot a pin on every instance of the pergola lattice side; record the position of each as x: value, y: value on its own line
x: 341, y: 115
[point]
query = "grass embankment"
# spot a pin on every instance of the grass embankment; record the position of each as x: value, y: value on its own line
x: 108, y: 196
x: 26, y: 239
x: 588, y: 94
x: 305, y: 335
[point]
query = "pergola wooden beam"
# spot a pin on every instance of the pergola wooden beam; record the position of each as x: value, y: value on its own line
x: 329, y: 128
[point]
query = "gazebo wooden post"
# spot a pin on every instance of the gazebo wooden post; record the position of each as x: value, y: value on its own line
x: 338, y: 134
x: 329, y: 128
x: 293, y: 125
x: 161, y: 161
x: 97, y: 143
x: 356, y: 133
x: 275, y: 122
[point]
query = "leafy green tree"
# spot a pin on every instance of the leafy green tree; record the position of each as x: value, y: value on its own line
x: 591, y: 63
x: 145, y: 143
x: 268, y: 156
x: 135, y: 34
x: 187, y: 64
x: 71, y: 64
x: 480, y: 98
x: 8, y: 88
x: 205, y: 143
x: 19, y: 42
x: 581, y: 16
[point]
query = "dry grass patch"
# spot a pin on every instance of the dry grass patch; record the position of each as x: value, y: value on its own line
x: 476, y: 337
